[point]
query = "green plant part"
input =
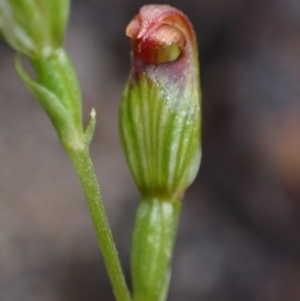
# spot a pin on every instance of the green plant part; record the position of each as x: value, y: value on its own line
x: 160, y: 133
x: 34, y: 27
x: 57, y: 89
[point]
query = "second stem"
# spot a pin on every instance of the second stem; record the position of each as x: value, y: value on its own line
x: 85, y: 170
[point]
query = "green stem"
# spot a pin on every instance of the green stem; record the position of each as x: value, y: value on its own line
x: 57, y: 89
x: 84, y: 167
x: 152, y: 247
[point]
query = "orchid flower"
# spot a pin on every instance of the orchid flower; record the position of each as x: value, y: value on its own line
x: 160, y: 132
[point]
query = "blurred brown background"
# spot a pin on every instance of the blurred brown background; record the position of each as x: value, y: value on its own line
x: 239, y: 235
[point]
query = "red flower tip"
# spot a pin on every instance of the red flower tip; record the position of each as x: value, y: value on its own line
x: 160, y: 34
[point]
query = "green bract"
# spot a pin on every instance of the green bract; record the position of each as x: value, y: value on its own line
x: 57, y: 89
x: 34, y: 27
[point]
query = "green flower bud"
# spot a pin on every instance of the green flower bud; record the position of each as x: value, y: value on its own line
x: 34, y: 27
x: 160, y: 110
x: 160, y: 133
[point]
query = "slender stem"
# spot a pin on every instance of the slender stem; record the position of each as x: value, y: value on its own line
x: 152, y: 247
x: 84, y: 167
